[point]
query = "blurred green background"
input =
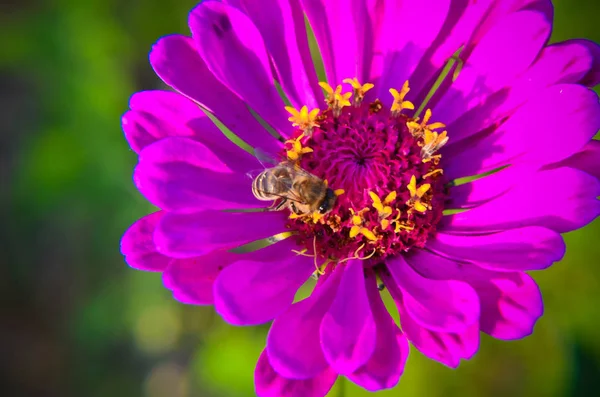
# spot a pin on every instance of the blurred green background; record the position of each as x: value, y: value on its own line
x: 78, y: 322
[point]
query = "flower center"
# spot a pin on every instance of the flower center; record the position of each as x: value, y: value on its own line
x: 385, y: 163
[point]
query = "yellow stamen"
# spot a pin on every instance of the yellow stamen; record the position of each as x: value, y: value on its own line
x: 303, y: 119
x: 358, y: 227
x: 358, y: 90
x: 295, y: 153
x: 364, y: 258
x: 436, y: 171
x: 339, y: 192
x: 383, y: 210
x: 316, y: 216
x: 432, y: 142
x: 399, y: 102
x: 416, y: 194
x: 310, y: 216
x: 419, y: 129
x: 335, y: 99
x: 401, y: 225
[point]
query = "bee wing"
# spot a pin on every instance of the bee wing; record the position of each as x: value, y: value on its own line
x: 252, y: 174
x: 289, y: 194
x: 268, y: 160
x: 295, y: 169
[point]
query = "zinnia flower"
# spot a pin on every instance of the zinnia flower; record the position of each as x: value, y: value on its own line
x: 453, y: 253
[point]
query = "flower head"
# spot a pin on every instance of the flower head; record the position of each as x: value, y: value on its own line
x: 452, y: 273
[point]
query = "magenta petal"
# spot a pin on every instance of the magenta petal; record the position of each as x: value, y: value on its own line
x: 252, y: 291
x: 567, y: 62
x: 293, y: 342
x: 182, y: 175
x: 189, y: 235
x: 464, y: 16
x: 192, y: 279
x: 445, y: 306
x: 137, y: 245
x: 444, y: 347
x: 528, y: 138
x: 348, y: 329
x: 403, y: 52
x: 384, y: 368
x: 592, y: 78
x: 482, y: 190
x: 234, y: 51
x: 269, y: 383
x: 175, y: 60
x: 339, y: 31
x: 159, y: 114
x: 527, y: 248
x: 281, y: 25
x: 447, y: 348
x: 503, y: 53
x: 587, y: 159
x: 511, y: 302
x: 561, y: 199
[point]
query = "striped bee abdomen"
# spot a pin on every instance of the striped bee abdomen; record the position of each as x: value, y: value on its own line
x: 260, y: 186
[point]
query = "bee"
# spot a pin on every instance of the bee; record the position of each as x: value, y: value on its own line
x: 290, y: 186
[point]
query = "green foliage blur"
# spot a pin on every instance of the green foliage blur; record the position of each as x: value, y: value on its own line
x: 78, y: 322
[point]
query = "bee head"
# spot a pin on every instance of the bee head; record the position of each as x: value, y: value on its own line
x: 328, y: 202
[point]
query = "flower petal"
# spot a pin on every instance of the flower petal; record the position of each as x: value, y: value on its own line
x: 293, y: 343
x: 176, y: 62
x: 535, y: 134
x: 511, y: 302
x: 503, y: 53
x: 348, y: 328
x: 183, y: 175
x: 386, y: 365
x: 159, y: 114
x: 190, y: 235
x: 447, y: 348
x: 403, y: 52
x: 482, y: 190
x: 338, y: 29
x: 566, y: 62
x: 269, y: 383
x: 445, y: 306
x: 137, y: 245
x: 234, y: 51
x: 587, y: 159
x: 252, y: 291
x: 463, y: 18
x: 282, y: 26
x: 467, y: 24
x: 561, y: 199
x: 527, y: 248
x: 192, y: 279
x: 592, y: 78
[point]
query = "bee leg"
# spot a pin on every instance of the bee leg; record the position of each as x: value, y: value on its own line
x: 280, y: 205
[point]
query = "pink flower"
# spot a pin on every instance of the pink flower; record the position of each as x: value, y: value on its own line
x: 513, y: 110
